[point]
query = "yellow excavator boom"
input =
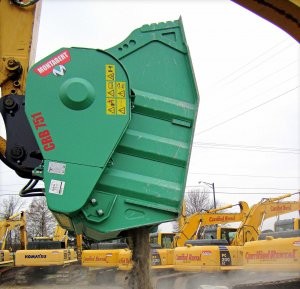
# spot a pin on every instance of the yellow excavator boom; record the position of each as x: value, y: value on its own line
x: 11, y: 223
x: 194, y: 222
x: 267, y: 208
x: 285, y: 14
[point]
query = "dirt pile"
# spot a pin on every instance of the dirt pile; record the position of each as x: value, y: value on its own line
x: 140, y: 276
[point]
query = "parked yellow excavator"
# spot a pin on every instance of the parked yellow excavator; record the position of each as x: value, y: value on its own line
x: 276, y: 250
x: 107, y: 255
x: 51, y: 253
x: 162, y: 244
x: 47, y: 251
x: 200, y: 256
x: 272, y: 254
x: 216, y: 253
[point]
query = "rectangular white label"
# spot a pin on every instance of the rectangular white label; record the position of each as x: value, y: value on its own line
x: 57, y: 187
x: 56, y: 168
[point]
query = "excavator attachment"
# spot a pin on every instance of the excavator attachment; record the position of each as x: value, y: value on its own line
x: 115, y: 130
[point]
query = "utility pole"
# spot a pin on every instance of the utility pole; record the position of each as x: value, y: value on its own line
x: 211, y: 185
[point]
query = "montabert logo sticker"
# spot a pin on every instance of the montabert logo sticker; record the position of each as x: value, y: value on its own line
x: 54, y: 63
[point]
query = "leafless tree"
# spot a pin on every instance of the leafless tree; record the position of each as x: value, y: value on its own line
x: 9, y: 207
x: 197, y: 201
x: 40, y: 221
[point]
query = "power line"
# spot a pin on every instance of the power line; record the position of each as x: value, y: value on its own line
x: 254, y: 67
x: 244, y: 112
x: 267, y: 76
x: 260, y: 151
x: 243, y: 188
x: 243, y: 102
x: 242, y: 175
x: 257, y: 57
x: 246, y: 147
x: 254, y: 193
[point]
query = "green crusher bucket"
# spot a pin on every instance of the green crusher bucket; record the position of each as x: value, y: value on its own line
x: 115, y: 130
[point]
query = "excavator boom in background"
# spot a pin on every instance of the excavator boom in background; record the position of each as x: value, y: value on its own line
x: 265, y: 209
x: 208, y: 255
x: 192, y: 225
x: 17, y: 220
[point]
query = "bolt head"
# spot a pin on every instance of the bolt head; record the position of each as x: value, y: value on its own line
x: 100, y: 212
x: 93, y: 201
x: 11, y: 62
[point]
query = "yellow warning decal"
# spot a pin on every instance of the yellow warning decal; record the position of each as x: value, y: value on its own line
x: 121, y: 106
x: 110, y: 72
x: 110, y: 89
x: 121, y: 89
x: 110, y: 106
x: 115, y: 92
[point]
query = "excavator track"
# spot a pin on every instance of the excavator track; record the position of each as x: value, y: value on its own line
x: 52, y: 275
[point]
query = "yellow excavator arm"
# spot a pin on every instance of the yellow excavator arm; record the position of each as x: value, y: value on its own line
x: 267, y: 208
x: 285, y: 14
x: 16, y: 220
x: 17, y: 43
x: 59, y: 233
x: 19, y: 21
x: 194, y: 222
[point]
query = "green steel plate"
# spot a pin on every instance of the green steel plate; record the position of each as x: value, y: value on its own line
x: 119, y: 127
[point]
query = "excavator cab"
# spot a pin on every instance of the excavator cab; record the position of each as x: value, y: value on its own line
x: 45, y: 243
x: 217, y: 232
x: 162, y: 240
x: 287, y: 225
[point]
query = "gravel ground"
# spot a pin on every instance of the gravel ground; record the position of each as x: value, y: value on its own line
x: 205, y: 281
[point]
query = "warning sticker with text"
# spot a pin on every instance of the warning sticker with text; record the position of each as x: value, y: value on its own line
x: 115, y: 92
x: 121, y: 106
x: 57, y: 187
x: 110, y: 106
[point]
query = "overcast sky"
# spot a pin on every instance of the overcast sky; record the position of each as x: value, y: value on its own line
x: 247, y: 136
